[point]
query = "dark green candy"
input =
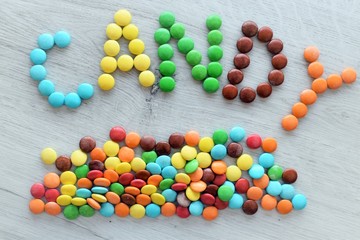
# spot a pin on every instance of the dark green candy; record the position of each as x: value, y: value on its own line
x: 86, y: 211
x: 71, y: 212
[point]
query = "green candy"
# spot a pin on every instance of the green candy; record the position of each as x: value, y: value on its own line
x: 191, y: 166
x: 177, y: 30
x: 215, y: 53
x: 86, y: 211
x: 225, y: 193
x: 214, y: 37
x: 71, y: 212
x: 149, y: 156
x: 193, y: 58
x: 166, y: 19
x: 166, y: 183
x: 162, y: 36
x: 81, y: 171
x: 220, y: 136
x: 165, y: 52
x: 211, y: 85
x: 213, y: 22
x: 167, y: 68
x: 185, y: 45
x: 167, y: 84
x: 215, y: 69
x: 117, y: 188
x: 275, y: 172
x: 199, y: 72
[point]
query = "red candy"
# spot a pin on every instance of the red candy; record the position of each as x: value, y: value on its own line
x: 242, y: 185
x: 126, y: 178
x: 219, y: 204
x: 182, y: 212
x: 139, y: 183
x: 219, y: 179
x: 93, y: 174
x: 179, y: 187
x: 37, y: 190
x: 253, y: 141
x: 51, y: 195
x: 117, y: 134
x: 207, y: 199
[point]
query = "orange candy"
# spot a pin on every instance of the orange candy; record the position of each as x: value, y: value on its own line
x: 197, y: 175
x: 111, y: 175
x: 269, y: 144
x: 103, y: 182
x: 308, y: 97
x: 122, y: 210
x: 284, y: 206
x: 334, y: 81
x: 315, y: 69
x: 192, y: 138
x: 36, y: 206
x: 51, y: 180
x: 126, y: 154
x: 311, y: 54
x: 210, y: 213
x: 132, y: 190
x: 92, y: 203
x: 52, y: 208
x: 168, y: 209
x: 289, y: 122
x: 254, y: 193
x: 268, y: 202
x: 198, y: 186
x: 219, y: 167
x: 319, y: 85
x: 132, y: 139
x: 98, y: 154
x: 143, y: 199
x: 299, y: 110
x: 154, y: 180
x: 348, y: 75
x: 84, y: 183
x: 112, y: 198
x: 262, y: 182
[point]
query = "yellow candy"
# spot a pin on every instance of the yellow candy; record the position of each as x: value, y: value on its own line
x: 148, y: 189
x: 233, y: 173
x: 206, y: 144
x: 78, y: 158
x: 123, y: 167
x: 77, y: 201
x: 178, y: 161
x: 137, y: 164
x: 204, y: 159
x: 191, y: 195
x: 188, y: 153
x: 113, y: 31
x: 111, y: 48
x: 111, y: 163
x: 125, y: 63
x: 111, y: 148
x: 108, y: 64
x: 48, y: 155
x: 142, y: 62
x: 68, y: 189
x: 63, y: 200
x: 146, y: 78
x: 122, y: 17
x: 130, y: 32
x: 68, y: 177
x: 136, y: 46
x: 106, y: 82
x: 158, y: 199
x: 244, y: 162
x: 99, y: 198
x: 137, y: 211
x: 182, y: 178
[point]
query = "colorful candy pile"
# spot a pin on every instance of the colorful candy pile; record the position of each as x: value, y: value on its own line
x: 186, y: 175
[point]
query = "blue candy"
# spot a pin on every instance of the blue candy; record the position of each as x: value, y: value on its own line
x: 169, y: 194
x: 46, y: 87
x: 99, y: 190
x: 274, y: 188
x: 256, y: 171
x: 38, y: 72
x: 169, y: 172
x: 218, y: 152
x: 62, y: 39
x: 85, y: 91
x: 56, y: 99
x: 237, y: 134
x: 287, y: 191
x: 236, y: 201
x: 152, y: 210
x: 38, y: 56
x: 163, y: 161
x: 196, y: 208
x: 107, y: 209
x: 46, y: 41
x: 266, y: 160
x: 153, y: 168
x: 72, y: 100
x: 299, y: 202
x: 83, y: 193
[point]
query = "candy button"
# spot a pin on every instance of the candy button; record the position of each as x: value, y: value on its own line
x: 163, y: 161
x: 71, y: 212
x: 169, y: 172
x: 72, y: 100
x: 178, y: 161
x: 122, y: 17
x: 274, y: 188
x: 107, y: 209
x: 63, y: 200
x: 99, y: 198
x: 170, y: 195
x: 166, y: 19
x: 86, y: 211
x: 56, y: 99
x: 289, y: 176
x: 188, y: 153
x: 213, y: 22
x: 125, y: 63
x: 148, y: 189
x: 311, y: 54
x: 51, y: 195
x: 334, y: 81
x: 52, y: 208
x: 51, y: 180
x: 167, y: 183
x: 85, y: 91
x: 137, y: 211
x: 83, y: 193
x: 199, y: 72
x: 315, y: 69
x: 256, y: 171
x: 46, y: 87
x: 153, y: 168
x: 77, y: 201
x: 68, y: 189
x: 309, y: 97
x: 38, y: 72
x: 225, y: 193
x: 253, y: 141
x: 130, y: 32
x: 193, y: 57
x: 348, y: 75
x: 165, y: 52
x: 68, y: 177
x: 242, y: 185
x: 167, y: 68
x: 111, y: 148
x: 36, y: 206
x: 268, y: 202
x: 192, y: 195
x: 218, y: 152
x: 117, y: 188
x: 157, y: 198
x: 45, y: 41
x: 111, y: 48
x: 214, y: 37
x: 167, y: 84
x: 123, y: 167
x: 211, y: 85
x: 162, y: 36
x: 152, y: 210
x: 112, y: 198
x: 185, y: 45
x: 196, y: 208
x: 287, y: 191
x: 48, y: 155
x: 233, y: 173
x: 198, y: 186
x: 62, y: 39
x: 106, y: 82
x: 102, y: 182
x: 182, y: 178
x: 142, y: 62
x: 244, y: 162
x: 113, y: 31
x: 108, y: 64
x: 236, y: 201
x: 289, y: 122
x: 37, y: 190
x: 78, y: 158
x: 299, y: 202
x: 215, y: 53
x: 319, y: 85
x: 146, y: 78
x: 82, y: 171
x: 112, y: 162
x: 137, y: 164
x: 266, y: 160
x: 204, y: 159
x: 191, y: 166
x: 284, y: 206
x: 38, y: 56
x: 234, y: 150
x: 177, y: 30
x: 136, y: 46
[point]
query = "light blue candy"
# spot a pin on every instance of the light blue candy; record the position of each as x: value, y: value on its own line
x: 38, y: 72
x: 299, y: 202
x: 230, y: 184
x: 169, y: 194
x: 153, y: 168
x: 218, y: 152
x: 169, y: 172
x: 163, y: 161
x: 274, y: 188
x: 236, y: 201
x: 152, y: 210
x: 56, y: 99
x: 266, y: 160
x: 46, y: 41
x: 99, y: 190
x: 256, y: 171
x: 107, y: 209
x: 72, y: 100
x: 38, y: 56
x: 85, y: 91
x: 196, y: 208
x: 62, y: 39
x: 237, y: 134
x: 46, y: 87
x: 287, y: 191
x: 83, y: 193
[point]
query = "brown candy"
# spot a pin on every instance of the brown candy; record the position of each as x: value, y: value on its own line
x: 147, y: 143
x: 264, y: 90
x: 279, y: 61
x: 230, y: 91
x: 289, y: 176
x: 275, y: 46
x: 247, y: 95
x: 143, y: 175
x: 235, y: 76
x: 87, y: 144
x: 249, y: 28
x: 244, y: 44
x: 63, y: 163
x: 96, y: 165
x: 250, y: 207
x: 241, y: 61
x: 212, y: 189
x: 265, y: 34
x: 176, y: 140
x: 276, y: 77
x: 163, y: 148
x: 234, y: 150
x: 128, y: 199
x: 208, y: 175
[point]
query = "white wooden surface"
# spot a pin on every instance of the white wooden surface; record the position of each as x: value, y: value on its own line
x: 324, y: 148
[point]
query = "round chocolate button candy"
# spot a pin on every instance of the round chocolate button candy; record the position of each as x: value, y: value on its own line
x: 208, y: 175
x: 147, y: 143
x: 250, y: 207
x: 234, y: 150
x: 244, y: 44
x: 230, y: 91
x: 212, y: 189
x: 63, y: 163
x: 276, y: 77
x: 128, y: 199
x: 275, y: 46
x: 264, y: 90
x: 247, y: 94
x: 87, y: 144
x: 163, y: 148
x: 289, y: 176
x: 176, y: 140
x: 96, y: 165
x: 249, y: 28
x: 265, y: 34
x: 279, y: 61
x: 143, y: 175
x: 241, y: 61
x: 235, y: 76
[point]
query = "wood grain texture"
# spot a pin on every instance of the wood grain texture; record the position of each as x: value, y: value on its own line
x: 324, y: 149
